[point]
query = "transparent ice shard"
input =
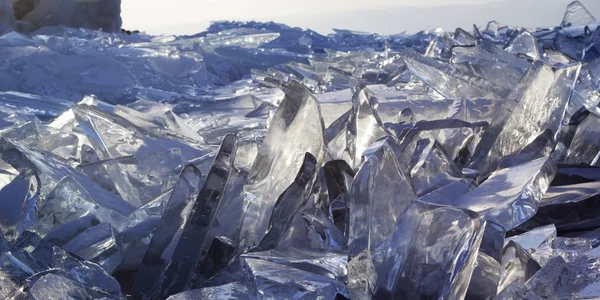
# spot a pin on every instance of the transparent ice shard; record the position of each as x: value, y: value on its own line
x: 457, y: 137
x: 68, y: 201
x: 362, y: 276
x: 330, y: 264
x: 534, y: 238
x: 431, y: 168
x: 517, y: 265
x: 584, y: 149
x: 289, y: 203
x: 218, y: 257
x: 64, y: 233
x: 56, y: 287
x: 195, y: 237
x: 322, y: 232
x: 577, y: 15
x: 114, y: 136
x: 537, y: 104
x: 488, y: 266
x: 296, y: 129
x: 542, y: 146
x: 138, y: 178
x: 509, y: 196
x: 165, y: 237
x: 381, y: 190
x: 51, y: 170
x: 230, y: 291
x: 18, y: 200
x: 525, y: 44
x: 568, y: 207
x: 271, y: 280
x: 431, y: 254
x: 100, y: 244
x: 364, y: 126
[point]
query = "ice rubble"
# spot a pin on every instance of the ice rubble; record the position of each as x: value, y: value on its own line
x: 259, y: 161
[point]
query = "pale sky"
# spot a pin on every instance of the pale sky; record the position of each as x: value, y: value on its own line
x: 382, y: 16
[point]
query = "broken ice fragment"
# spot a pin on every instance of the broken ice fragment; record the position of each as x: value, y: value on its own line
x: 509, y: 196
x: 296, y: 129
x: 325, y: 263
x: 534, y: 238
x: 194, y: 239
x: 537, y: 104
x: 381, y: 190
x: 517, y: 265
x: 218, y: 256
x: 18, y: 200
x: 165, y: 237
x: 288, y: 204
x: 364, y: 126
x: 271, y: 280
x: 525, y: 44
x: 431, y: 253
x: 230, y: 291
x: 100, y: 244
x: 577, y: 15
x: 56, y: 287
x: 584, y: 149
x: 431, y: 167
x: 69, y: 201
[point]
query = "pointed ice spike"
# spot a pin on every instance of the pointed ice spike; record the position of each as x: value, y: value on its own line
x: 517, y: 264
x: 486, y: 274
x: 195, y: 235
x: 431, y: 167
x: 288, y: 204
x: 100, y: 244
x: 165, y: 237
x: 69, y: 201
x: 537, y: 104
x: 364, y: 126
x: 423, y: 256
x: 18, y: 200
x: 272, y: 280
x: 296, y: 128
x: 324, y: 263
x: 381, y: 190
x: 577, y: 15
x: 509, y: 196
x: 335, y: 137
x: 523, y: 43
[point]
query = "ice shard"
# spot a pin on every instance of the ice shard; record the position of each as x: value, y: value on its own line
x: 583, y: 149
x: 543, y: 90
x: 272, y: 280
x: 431, y: 253
x: 100, y: 244
x: 195, y: 233
x: 577, y: 15
x: 161, y: 247
x: 230, y: 291
x: 517, y: 264
x: 524, y: 44
x: 509, y: 196
x: 69, y: 201
x: 282, y: 150
x: 364, y: 126
x: 138, y: 178
x: 18, y: 200
x: 432, y: 168
x: 381, y: 190
x: 289, y: 203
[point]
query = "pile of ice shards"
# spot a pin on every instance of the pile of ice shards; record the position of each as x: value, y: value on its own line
x: 259, y: 161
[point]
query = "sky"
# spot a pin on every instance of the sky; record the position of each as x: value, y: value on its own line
x: 381, y: 16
